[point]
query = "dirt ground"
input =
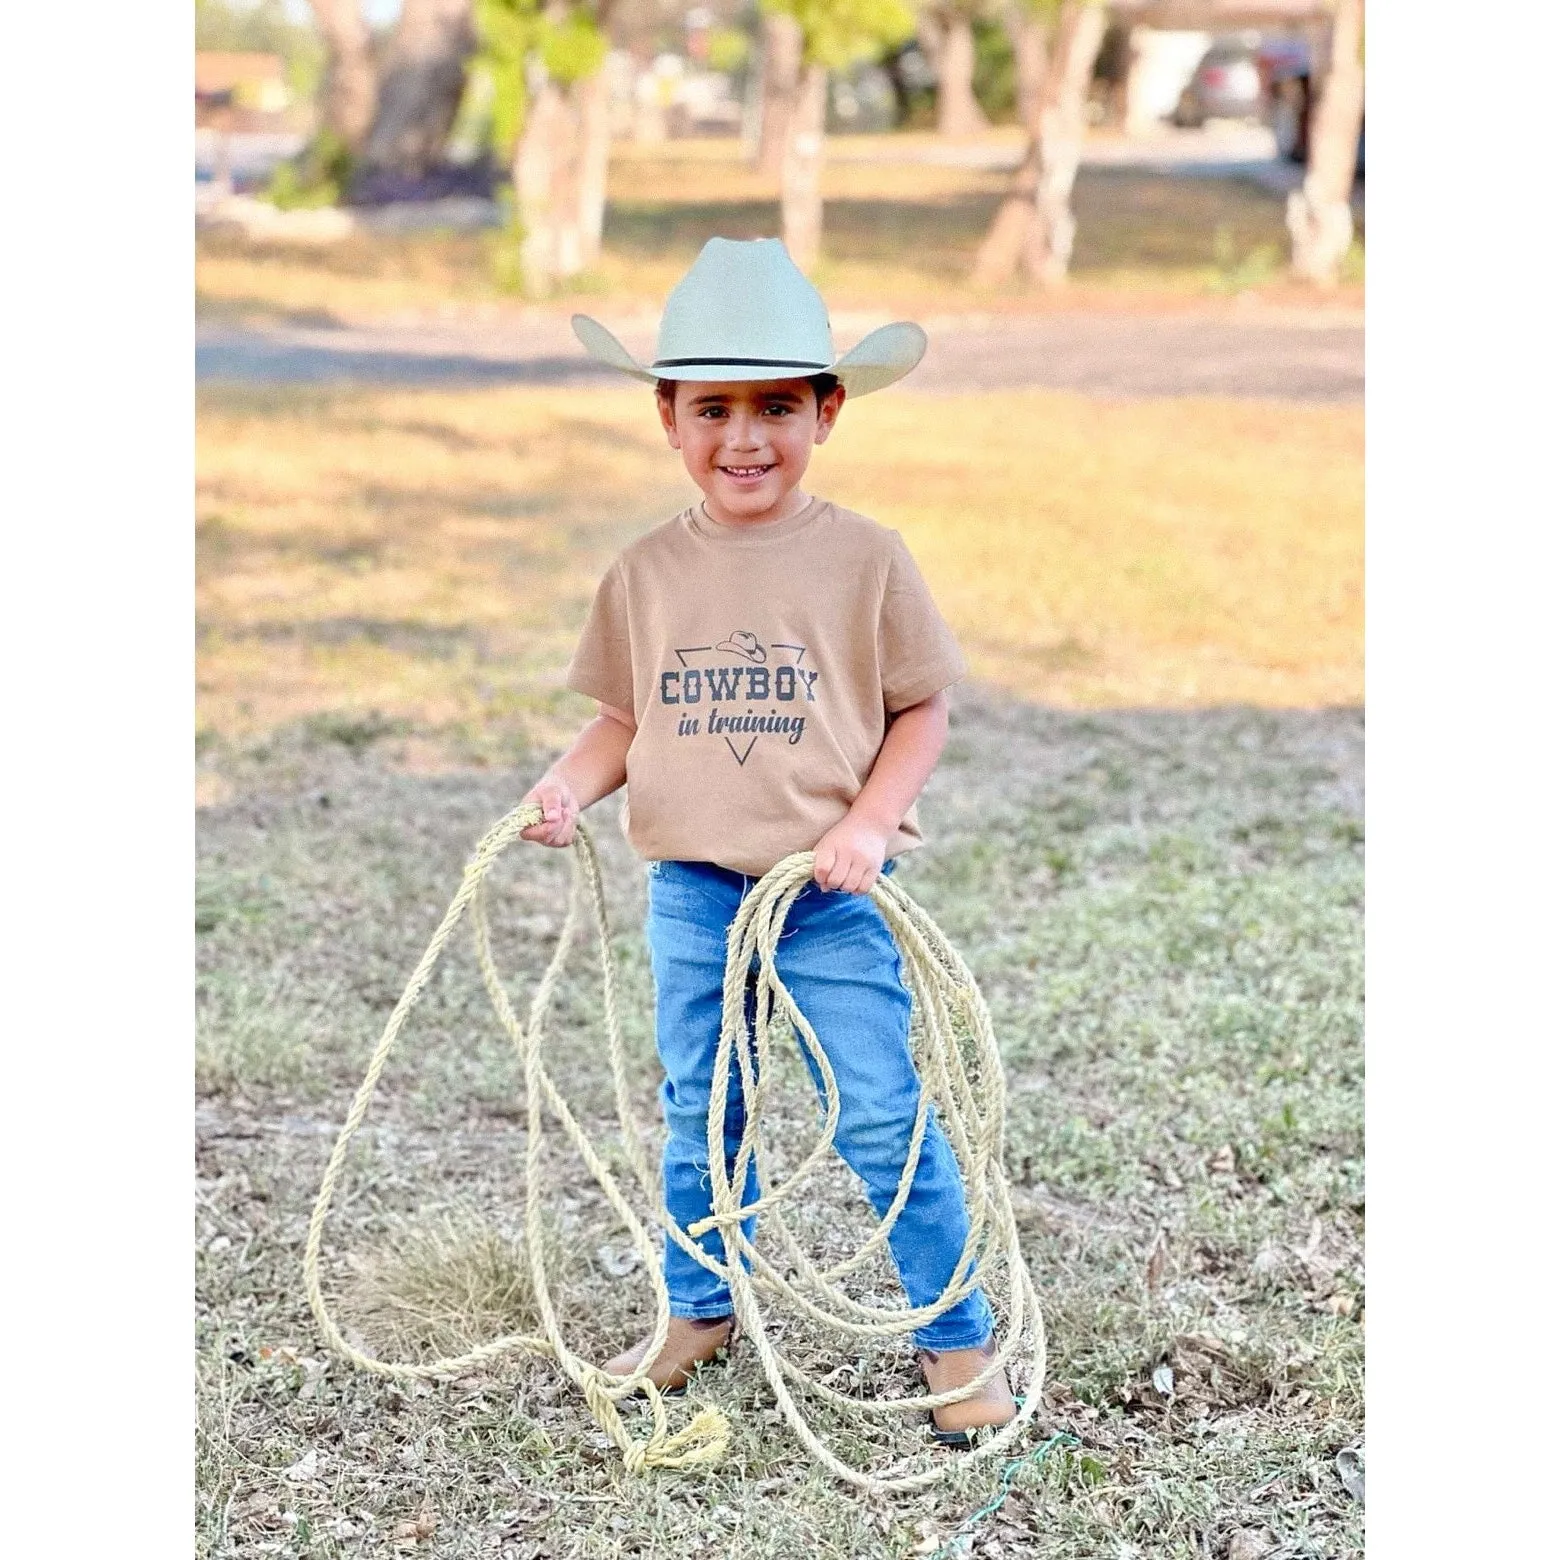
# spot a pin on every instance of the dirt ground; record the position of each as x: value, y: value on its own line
x: 1112, y: 354
x: 1164, y: 912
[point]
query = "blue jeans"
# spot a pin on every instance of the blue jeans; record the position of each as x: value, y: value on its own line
x: 841, y: 965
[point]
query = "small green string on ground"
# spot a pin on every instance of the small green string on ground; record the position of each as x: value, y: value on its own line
x: 961, y: 1542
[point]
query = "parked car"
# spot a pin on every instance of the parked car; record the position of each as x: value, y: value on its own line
x: 1285, y: 68
x: 1226, y: 84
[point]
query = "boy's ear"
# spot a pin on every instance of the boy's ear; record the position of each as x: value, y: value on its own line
x: 664, y: 405
x: 828, y: 411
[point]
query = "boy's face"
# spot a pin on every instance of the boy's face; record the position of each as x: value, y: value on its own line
x: 747, y: 445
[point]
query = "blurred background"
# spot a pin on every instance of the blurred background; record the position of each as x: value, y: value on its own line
x: 1131, y: 469
x: 1130, y: 462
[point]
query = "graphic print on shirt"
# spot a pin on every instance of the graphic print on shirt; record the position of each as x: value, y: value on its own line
x: 739, y: 689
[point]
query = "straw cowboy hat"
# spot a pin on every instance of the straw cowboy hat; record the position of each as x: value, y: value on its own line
x: 745, y: 312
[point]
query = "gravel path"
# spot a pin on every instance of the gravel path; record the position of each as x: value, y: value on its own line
x: 1286, y: 357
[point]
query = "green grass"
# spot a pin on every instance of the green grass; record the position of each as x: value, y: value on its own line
x: 1164, y: 912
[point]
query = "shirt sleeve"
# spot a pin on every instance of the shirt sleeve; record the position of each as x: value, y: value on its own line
x: 603, y: 664
x: 916, y: 649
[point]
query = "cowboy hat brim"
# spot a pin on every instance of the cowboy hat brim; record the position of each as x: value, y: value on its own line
x: 876, y: 361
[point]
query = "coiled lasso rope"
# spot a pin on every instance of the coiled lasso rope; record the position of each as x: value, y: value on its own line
x: 961, y: 1071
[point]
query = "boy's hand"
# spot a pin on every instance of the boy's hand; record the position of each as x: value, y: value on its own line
x: 850, y: 856
x: 560, y: 812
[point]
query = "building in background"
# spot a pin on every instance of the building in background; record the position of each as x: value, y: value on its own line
x: 247, y: 120
x: 242, y: 91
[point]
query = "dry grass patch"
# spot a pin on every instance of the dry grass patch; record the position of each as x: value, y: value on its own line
x: 1164, y: 553
x: 409, y: 569
x: 441, y: 1285
x: 413, y: 558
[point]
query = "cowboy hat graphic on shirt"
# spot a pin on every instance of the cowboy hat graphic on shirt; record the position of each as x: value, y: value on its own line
x: 742, y: 642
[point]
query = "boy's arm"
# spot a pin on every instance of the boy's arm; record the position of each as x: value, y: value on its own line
x: 594, y: 766
x: 850, y: 855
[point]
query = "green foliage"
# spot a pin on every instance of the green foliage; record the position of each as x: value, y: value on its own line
x: 1235, y: 272
x: 315, y: 177
x: 289, y: 190
x: 995, y: 80
x: 573, y: 49
x: 504, y: 246
x: 1353, y: 268
x: 512, y: 34
x: 506, y: 29
x: 996, y: 75
x: 730, y: 49
x: 1047, y: 10
x: 842, y: 33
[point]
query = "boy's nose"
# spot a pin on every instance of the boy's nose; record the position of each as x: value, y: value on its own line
x: 744, y: 433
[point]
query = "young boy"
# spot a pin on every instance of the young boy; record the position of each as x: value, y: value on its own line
x: 770, y: 672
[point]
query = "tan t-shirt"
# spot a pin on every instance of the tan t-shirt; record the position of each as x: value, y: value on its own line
x: 761, y: 665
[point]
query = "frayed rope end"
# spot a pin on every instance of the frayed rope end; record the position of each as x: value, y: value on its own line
x: 701, y: 1441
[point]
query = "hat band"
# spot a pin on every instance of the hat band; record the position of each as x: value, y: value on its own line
x: 739, y: 362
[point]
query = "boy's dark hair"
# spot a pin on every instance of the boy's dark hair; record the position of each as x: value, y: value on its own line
x: 822, y: 384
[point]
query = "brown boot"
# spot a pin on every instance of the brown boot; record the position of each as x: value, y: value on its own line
x: 690, y: 1342
x: 948, y: 1369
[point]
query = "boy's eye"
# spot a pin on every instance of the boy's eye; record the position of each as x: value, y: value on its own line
x: 774, y: 409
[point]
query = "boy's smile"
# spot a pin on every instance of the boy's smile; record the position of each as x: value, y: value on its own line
x: 747, y: 444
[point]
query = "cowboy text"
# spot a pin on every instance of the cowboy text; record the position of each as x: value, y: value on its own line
x: 737, y: 684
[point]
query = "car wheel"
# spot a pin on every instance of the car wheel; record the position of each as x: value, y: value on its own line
x: 1288, y: 115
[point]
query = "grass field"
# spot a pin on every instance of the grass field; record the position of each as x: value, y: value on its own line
x: 895, y: 236
x: 1164, y: 912
x: 411, y: 567
x: 1145, y: 836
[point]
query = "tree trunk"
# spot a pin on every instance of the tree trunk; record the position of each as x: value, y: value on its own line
x: 348, y: 92
x: 1026, y: 37
x: 1137, y: 115
x: 1319, y: 215
x: 543, y: 182
x: 593, y: 106
x: 782, y: 75
x: 420, y: 89
x: 958, y: 110
x: 801, y: 179
x: 1034, y: 225
x: 560, y: 177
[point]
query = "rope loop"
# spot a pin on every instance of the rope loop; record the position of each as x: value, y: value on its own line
x: 957, y: 1058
